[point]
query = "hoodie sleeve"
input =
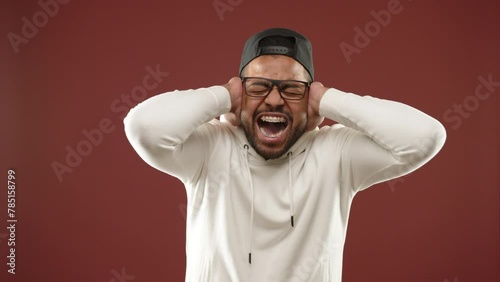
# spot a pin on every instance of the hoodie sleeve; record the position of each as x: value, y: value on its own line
x: 388, y: 140
x: 171, y: 131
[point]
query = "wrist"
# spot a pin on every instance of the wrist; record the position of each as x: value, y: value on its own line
x: 331, y: 103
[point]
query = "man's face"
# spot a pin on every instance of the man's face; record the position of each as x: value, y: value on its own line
x: 272, y: 125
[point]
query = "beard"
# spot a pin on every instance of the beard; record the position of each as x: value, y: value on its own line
x: 294, y: 131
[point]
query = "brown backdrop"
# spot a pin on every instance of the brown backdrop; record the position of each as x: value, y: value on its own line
x: 89, y: 209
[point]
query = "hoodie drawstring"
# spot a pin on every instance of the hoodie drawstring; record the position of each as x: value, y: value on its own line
x: 290, y: 193
x: 290, y: 187
x: 251, y: 205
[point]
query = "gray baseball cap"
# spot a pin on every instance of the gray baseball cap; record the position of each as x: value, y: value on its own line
x: 279, y: 41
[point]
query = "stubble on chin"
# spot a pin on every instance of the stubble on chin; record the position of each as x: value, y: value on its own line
x: 266, y: 152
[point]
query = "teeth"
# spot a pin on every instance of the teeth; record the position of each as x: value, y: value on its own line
x: 272, y: 119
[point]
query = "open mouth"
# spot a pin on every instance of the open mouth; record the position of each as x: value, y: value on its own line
x: 272, y: 126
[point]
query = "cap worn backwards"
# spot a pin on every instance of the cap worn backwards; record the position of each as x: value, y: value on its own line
x: 279, y: 41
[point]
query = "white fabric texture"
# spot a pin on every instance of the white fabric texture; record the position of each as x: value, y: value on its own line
x: 227, y: 182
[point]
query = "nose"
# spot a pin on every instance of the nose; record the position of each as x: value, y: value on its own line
x: 274, y: 97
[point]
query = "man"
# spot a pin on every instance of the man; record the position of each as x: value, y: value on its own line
x: 269, y: 192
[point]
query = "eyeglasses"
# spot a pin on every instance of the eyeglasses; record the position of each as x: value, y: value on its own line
x: 261, y: 87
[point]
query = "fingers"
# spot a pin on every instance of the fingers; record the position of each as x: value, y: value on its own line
x: 316, y: 84
x: 235, y: 80
x: 317, y: 89
x: 316, y: 92
x: 234, y: 88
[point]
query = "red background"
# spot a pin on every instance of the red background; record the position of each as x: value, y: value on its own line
x: 113, y: 211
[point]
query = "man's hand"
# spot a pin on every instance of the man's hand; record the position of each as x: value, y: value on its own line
x: 235, y: 91
x: 316, y: 92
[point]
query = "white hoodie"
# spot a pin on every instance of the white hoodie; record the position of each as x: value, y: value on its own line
x: 240, y: 204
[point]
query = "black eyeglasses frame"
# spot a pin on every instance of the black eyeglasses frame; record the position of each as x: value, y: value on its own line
x: 277, y: 83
